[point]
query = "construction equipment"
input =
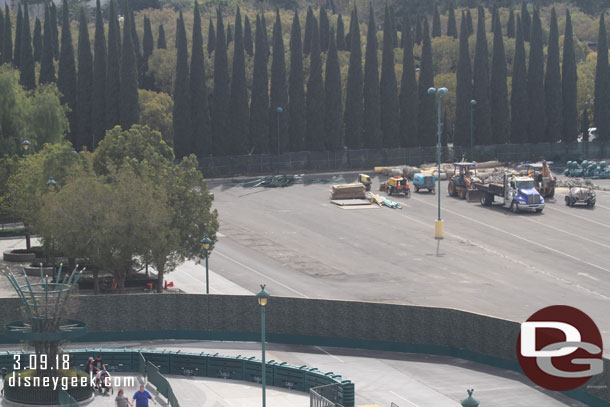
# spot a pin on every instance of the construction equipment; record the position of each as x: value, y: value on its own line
x: 396, y: 185
x: 516, y: 193
x: 462, y: 181
x: 544, y: 181
x: 580, y: 195
x: 365, y: 180
x: 424, y: 181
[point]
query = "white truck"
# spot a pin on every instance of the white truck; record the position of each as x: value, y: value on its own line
x: 516, y: 193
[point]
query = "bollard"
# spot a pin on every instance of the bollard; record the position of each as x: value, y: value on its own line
x: 438, y: 229
x: 470, y: 401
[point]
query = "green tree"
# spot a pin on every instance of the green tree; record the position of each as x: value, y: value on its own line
x: 229, y: 35
x: 353, y: 98
x: 84, y: 85
x: 201, y: 126
x: 469, y: 22
x: 426, y: 121
x: 480, y: 90
x: 113, y: 70
x: 584, y: 126
x: 451, y: 23
x: 18, y: 38
x: 526, y: 21
x: 436, y: 23
x: 211, y: 37
x: 569, y: 81
x: 7, y: 47
x: 238, y: 105
x: 161, y: 42
x: 2, y: 45
x: 601, y: 113
x: 259, y: 107
x: 340, y: 34
x: 519, y: 101
x: 53, y: 14
x: 148, y: 82
x: 535, y: 82
x: 308, y: 28
x: 510, y: 25
x: 183, y: 132
x: 98, y: 99
x: 279, y: 93
x: 264, y: 26
x: 552, y: 84
x: 37, y: 40
x: 372, y: 109
x: 220, y: 105
x: 66, y: 75
x: 129, y: 114
x: 248, y: 44
x: 409, y: 102
x: 394, y: 32
x: 498, y: 87
x: 418, y: 30
x: 388, y: 89
x: 28, y: 75
x: 136, y: 48
x: 333, y: 109
x: 296, y: 92
x: 47, y: 69
x: 156, y: 112
x: 314, y: 132
x: 324, y: 30
x: 463, y: 91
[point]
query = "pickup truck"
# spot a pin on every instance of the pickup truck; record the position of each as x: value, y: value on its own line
x: 516, y: 193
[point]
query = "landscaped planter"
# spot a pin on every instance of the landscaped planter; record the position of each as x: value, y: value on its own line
x: 19, y: 256
x: 33, y: 270
x: 45, y: 395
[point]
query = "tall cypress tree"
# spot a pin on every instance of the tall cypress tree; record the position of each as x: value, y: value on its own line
x: 463, y: 91
x: 28, y: 75
x: 66, y: 75
x: 296, y: 92
x: 569, y: 80
x: 602, y: 84
x: 55, y: 30
x: 451, y: 23
x: 340, y: 41
x: 535, y: 82
x: 552, y: 84
x: 7, y: 40
x: 324, y: 30
x: 353, y: 98
x: 436, y: 23
x: 372, y: 108
x: 229, y: 35
x: 510, y: 25
x: 37, y: 41
x: 211, y: 37
x: 148, y: 42
x: 519, y: 102
x: 1, y: 35
x: 333, y: 109
x: 161, y: 41
x: 469, y: 22
x: 183, y: 141
x: 308, y: 28
x: 113, y: 70
x: 98, y: 104
x: 409, y: 102
x: 584, y: 127
x: 47, y: 69
x: 18, y: 38
x: 84, y: 85
x: 498, y: 87
x: 201, y: 127
x: 248, y: 44
x: 314, y: 132
x: 392, y: 28
x: 264, y: 26
x: 388, y: 88
x: 494, y: 10
x: 238, y: 105
x: 220, y: 107
x: 137, y: 50
x: 259, y: 106
x: 526, y: 21
x: 418, y: 30
x: 426, y: 121
x: 482, y: 120
x: 279, y: 93
x: 130, y: 111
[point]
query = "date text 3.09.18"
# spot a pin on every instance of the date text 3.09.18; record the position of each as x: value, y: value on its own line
x: 41, y: 362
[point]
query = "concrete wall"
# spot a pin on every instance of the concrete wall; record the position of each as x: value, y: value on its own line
x: 317, y: 322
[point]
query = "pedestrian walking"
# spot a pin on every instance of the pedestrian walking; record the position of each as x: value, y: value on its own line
x: 89, y: 368
x: 4, y: 374
x: 122, y: 401
x: 142, y: 396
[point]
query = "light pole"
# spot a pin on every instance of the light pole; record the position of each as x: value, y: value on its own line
x: 26, y: 146
x: 438, y: 225
x: 279, y: 111
x: 205, y: 243
x: 263, y: 297
x: 52, y: 185
x: 472, y: 105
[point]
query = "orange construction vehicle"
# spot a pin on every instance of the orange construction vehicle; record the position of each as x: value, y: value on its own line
x: 462, y: 181
x: 544, y: 180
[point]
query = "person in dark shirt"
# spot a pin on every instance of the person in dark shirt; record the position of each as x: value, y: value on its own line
x: 4, y: 374
x: 98, y: 364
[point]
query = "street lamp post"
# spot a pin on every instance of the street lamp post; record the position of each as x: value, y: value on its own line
x: 52, y: 185
x: 279, y: 111
x: 438, y: 225
x: 26, y: 146
x: 205, y: 243
x: 472, y: 105
x: 263, y: 297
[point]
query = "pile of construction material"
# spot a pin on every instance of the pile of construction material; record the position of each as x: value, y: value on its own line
x: 486, y: 169
x: 348, y: 191
x: 587, y: 169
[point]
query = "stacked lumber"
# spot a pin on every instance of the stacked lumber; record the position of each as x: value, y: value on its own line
x: 347, y: 191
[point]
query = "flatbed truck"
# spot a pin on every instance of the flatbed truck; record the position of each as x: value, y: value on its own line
x: 516, y: 193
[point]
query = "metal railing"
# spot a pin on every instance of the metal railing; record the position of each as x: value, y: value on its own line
x: 325, y: 396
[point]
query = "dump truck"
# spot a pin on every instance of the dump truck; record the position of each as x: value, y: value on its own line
x: 462, y: 181
x: 516, y: 193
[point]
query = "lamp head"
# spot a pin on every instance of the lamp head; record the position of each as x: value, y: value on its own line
x: 431, y: 91
x: 279, y: 109
x: 473, y: 102
x: 443, y: 91
x: 206, y: 242
x: 262, y: 296
x: 51, y: 183
x: 26, y: 144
